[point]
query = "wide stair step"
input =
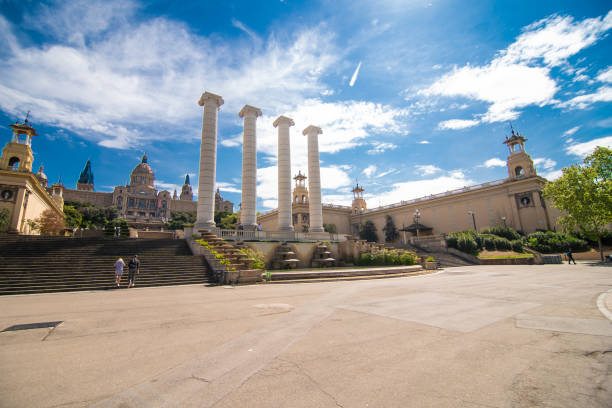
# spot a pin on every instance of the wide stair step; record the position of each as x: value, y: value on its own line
x: 34, y: 264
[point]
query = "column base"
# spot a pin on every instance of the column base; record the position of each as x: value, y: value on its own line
x: 203, y: 225
x: 285, y: 229
x: 320, y: 229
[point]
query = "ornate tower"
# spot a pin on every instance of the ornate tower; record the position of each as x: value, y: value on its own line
x: 41, y: 176
x: 359, y: 204
x: 142, y: 175
x: 186, y: 193
x: 86, y: 179
x: 17, y: 154
x: 519, y: 162
x: 300, y: 193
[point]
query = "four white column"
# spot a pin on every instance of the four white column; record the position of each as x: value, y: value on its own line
x: 285, y: 222
x: 314, y: 179
x: 248, y: 218
x: 205, y: 219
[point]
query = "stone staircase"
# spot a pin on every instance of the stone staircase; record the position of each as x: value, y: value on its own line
x: 36, y: 264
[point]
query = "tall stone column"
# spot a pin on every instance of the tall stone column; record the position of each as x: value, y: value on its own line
x: 208, y: 162
x: 248, y: 217
x: 315, y: 208
x: 285, y: 221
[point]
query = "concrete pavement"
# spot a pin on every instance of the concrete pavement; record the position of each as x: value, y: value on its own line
x: 492, y: 336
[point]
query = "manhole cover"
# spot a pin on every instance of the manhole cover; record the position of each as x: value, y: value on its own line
x: 31, y: 326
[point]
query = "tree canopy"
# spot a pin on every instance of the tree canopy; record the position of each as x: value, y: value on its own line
x: 367, y: 231
x: 584, y: 195
x: 391, y: 233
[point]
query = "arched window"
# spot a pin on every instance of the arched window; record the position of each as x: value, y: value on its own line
x: 518, y: 171
x: 304, y: 199
x: 13, y: 163
x: 297, y: 199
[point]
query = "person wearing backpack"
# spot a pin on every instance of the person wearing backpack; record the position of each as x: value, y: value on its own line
x: 134, y: 268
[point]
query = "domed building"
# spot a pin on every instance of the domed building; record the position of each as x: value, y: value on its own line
x: 139, y: 202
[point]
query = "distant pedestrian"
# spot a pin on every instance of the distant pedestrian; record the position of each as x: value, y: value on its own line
x: 258, y: 227
x: 116, y: 232
x: 570, y: 258
x: 119, y: 264
x: 134, y: 269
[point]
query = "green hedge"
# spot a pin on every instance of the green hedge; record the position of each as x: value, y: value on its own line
x: 553, y: 242
x: 472, y: 243
x: 387, y: 257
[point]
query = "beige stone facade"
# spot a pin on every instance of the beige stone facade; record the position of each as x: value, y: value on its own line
x: 23, y: 193
x: 515, y: 202
x: 139, y: 202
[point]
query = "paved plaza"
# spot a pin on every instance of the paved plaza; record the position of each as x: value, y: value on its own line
x: 477, y: 336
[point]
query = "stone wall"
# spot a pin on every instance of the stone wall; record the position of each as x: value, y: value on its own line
x: 303, y: 251
x: 96, y: 198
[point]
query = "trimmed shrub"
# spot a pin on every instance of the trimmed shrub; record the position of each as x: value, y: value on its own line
x: 503, y: 232
x: 387, y: 257
x: 554, y: 242
x: 517, y: 245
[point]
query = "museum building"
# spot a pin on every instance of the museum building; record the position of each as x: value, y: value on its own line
x: 515, y: 202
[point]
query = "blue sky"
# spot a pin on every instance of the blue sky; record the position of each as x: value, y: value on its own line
x: 414, y: 97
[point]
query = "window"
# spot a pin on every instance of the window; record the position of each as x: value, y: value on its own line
x: 141, y: 214
x: 13, y: 163
x: 142, y: 203
x: 304, y: 199
x: 131, y: 202
x: 519, y: 171
x: 304, y: 218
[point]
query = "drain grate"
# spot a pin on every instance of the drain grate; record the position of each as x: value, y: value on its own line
x: 32, y: 326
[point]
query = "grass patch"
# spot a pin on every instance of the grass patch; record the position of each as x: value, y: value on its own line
x: 516, y: 256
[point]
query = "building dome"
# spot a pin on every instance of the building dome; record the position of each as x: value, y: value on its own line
x: 41, y: 176
x: 142, y: 174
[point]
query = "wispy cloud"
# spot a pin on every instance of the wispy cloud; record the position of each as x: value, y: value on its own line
x: 354, y: 77
x: 427, y: 169
x: 381, y: 147
x: 519, y: 76
x: 494, y: 162
x: 227, y: 187
x: 586, y: 148
x: 370, y: 170
x: 571, y: 131
x: 424, y: 142
x: 544, y: 163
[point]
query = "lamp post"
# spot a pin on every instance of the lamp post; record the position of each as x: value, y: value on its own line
x: 504, y: 220
x: 473, y: 219
x: 417, y: 216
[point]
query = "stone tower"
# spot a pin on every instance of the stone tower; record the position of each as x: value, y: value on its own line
x: 86, y: 179
x: 519, y: 162
x: 17, y: 154
x: 300, y: 193
x: 359, y: 204
x: 186, y: 193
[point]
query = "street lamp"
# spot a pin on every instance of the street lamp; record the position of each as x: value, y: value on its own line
x: 473, y: 219
x: 504, y: 220
x: 417, y: 217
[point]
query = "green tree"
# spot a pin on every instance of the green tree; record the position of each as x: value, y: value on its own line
x: 124, y: 230
x: 331, y: 228
x: 584, y: 194
x: 367, y: 231
x: 74, y: 218
x: 4, y: 219
x: 219, y: 215
x: 179, y: 219
x: 229, y: 221
x: 391, y: 233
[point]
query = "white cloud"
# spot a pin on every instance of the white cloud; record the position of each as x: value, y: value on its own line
x: 227, y: 187
x: 370, y: 170
x: 427, y: 169
x: 605, y: 75
x: 424, y: 142
x: 586, y: 148
x: 381, y: 147
x: 519, y: 76
x: 457, y: 124
x: 386, y: 173
x: 544, y: 163
x: 494, y: 162
x: 127, y: 75
x: 160, y: 185
x: 552, y: 175
x: 571, y: 131
x: 354, y: 77
x: 554, y: 39
x: 603, y: 94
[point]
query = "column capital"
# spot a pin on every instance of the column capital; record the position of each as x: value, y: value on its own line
x: 209, y: 96
x: 312, y: 129
x: 249, y: 110
x: 283, y: 119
